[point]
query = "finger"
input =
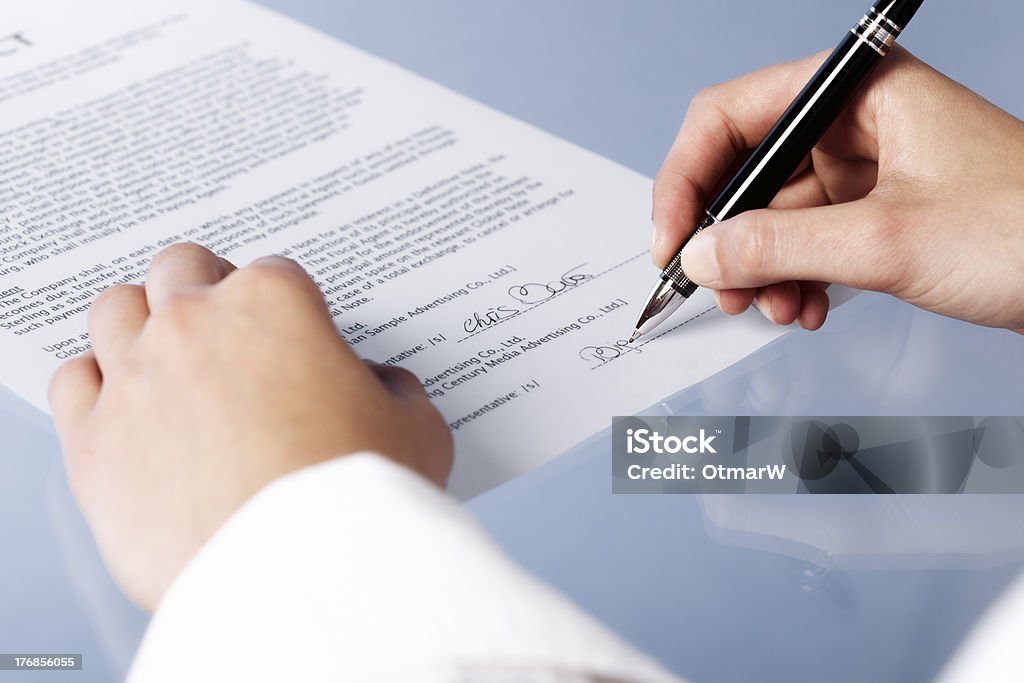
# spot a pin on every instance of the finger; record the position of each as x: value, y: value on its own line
x: 813, y: 305
x: 722, y: 121
x: 854, y: 244
x: 780, y: 302
x: 74, y: 389
x: 279, y: 262
x: 274, y: 283
x: 179, y: 269
x: 227, y: 266
x: 803, y: 191
x: 848, y: 179
x: 399, y: 381
x: 116, y: 319
x: 735, y: 301
x: 291, y: 271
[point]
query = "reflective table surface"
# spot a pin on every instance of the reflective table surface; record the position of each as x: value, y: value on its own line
x: 720, y: 588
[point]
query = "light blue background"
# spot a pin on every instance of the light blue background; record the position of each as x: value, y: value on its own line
x: 616, y: 77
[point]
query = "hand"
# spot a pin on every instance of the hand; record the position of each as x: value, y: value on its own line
x: 917, y: 190
x: 206, y: 385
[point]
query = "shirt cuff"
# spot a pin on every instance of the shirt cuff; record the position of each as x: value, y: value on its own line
x: 358, y: 569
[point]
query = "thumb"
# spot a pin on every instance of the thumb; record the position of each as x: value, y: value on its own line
x: 850, y: 244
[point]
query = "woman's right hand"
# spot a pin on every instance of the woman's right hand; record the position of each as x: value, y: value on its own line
x: 917, y: 190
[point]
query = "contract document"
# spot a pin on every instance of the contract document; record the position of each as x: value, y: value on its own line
x: 505, y: 267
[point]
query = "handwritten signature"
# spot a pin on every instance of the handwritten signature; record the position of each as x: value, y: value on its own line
x: 536, y: 292
x: 599, y: 355
x: 493, y: 316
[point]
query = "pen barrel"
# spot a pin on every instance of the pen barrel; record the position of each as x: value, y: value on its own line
x: 898, y: 13
x: 799, y: 129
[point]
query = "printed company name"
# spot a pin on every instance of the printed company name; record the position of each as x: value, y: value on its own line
x: 642, y: 441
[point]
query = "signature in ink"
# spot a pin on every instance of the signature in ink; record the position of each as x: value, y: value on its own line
x: 481, y: 321
x: 599, y: 355
x: 536, y: 292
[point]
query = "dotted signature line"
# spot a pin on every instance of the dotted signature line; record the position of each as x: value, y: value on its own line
x: 674, y: 327
x: 650, y: 339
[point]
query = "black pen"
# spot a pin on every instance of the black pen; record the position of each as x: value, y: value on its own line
x: 789, y: 141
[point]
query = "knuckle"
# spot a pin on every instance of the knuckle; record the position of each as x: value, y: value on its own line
x: 884, y: 224
x: 181, y: 250
x: 751, y: 247
x: 254, y: 285
x: 668, y: 183
x: 895, y: 265
x: 179, y: 314
x: 269, y: 278
x: 111, y: 297
x: 705, y: 98
x: 60, y: 378
x: 710, y: 103
x: 281, y: 262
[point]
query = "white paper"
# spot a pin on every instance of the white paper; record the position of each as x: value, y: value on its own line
x: 502, y: 265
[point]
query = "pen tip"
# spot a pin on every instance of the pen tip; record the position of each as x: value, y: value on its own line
x: 633, y: 337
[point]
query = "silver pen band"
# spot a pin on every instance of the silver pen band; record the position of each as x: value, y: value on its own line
x: 674, y: 270
x: 877, y: 31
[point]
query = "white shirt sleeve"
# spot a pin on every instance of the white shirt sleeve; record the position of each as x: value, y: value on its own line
x: 359, y: 570
x: 992, y: 652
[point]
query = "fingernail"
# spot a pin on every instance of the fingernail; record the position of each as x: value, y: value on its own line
x: 699, y: 260
x: 757, y: 304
